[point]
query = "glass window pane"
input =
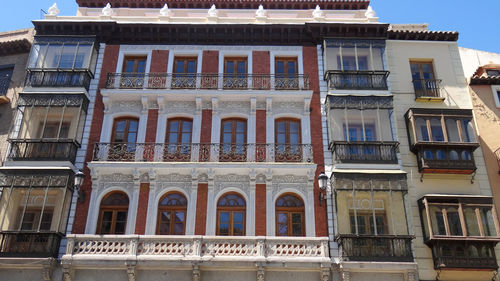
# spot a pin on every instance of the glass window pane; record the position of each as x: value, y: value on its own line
x: 454, y: 221
x: 437, y: 130
x: 280, y: 67
x: 421, y: 128
x: 191, y: 66
x: 467, y: 131
x: 471, y: 221
x: 83, y: 56
x: 452, y: 130
x: 67, y: 56
x: 282, y: 224
x: 488, y: 222
x: 52, y: 56
x: 437, y: 221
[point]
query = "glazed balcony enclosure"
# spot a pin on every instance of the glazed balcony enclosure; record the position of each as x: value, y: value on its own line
x: 34, y: 208
x: 360, y: 129
x: 48, y: 127
x: 195, y: 152
x: 461, y: 230
x: 371, y: 217
x: 57, y: 62
x: 207, y: 81
x: 355, y: 65
x: 442, y: 139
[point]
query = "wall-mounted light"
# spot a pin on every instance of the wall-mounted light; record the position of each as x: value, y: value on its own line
x: 79, y: 176
x: 322, y: 182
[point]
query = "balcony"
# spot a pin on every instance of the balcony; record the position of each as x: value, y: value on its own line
x: 197, y: 248
x: 427, y: 90
x: 365, y: 152
x: 195, y: 152
x: 357, y: 79
x: 29, y: 244
x: 206, y: 81
x: 382, y: 248
x: 445, y: 157
x: 456, y: 254
x: 43, y: 150
x: 57, y: 78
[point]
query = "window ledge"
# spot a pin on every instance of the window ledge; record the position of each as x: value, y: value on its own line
x: 429, y: 99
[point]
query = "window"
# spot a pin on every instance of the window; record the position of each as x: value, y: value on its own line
x: 424, y: 82
x: 288, y: 139
x: 172, y: 214
x: 368, y: 125
x: 365, y: 223
x: 355, y: 55
x: 496, y: 95
x: 134, y: 64
x: 5, y: 78
x: 113, y: 214
x: 290, y: 216
x: 178, y: 139
x: 184, y: 72
x: 235, y: 73
x: 125, y: 130
x: 134, y: 69
x: 464, y: 217
x: 286, y: 73
x: 231, y: 209
x: 493, y: 72
x: 67, y: 53
x: 233, y: 140
x: 450, y: 128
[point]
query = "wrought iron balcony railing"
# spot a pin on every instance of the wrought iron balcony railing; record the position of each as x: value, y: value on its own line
x: 390, y: 248
x: 43, y: 149
x: 357, y: 80
x: 196, y: 152
x: 195, y: 248
x: 29, y: 244
x: 365, y: 152
x: 207, y: 81
x: 427, y: 88
x: 456, y: 254
x: 443, y: 157
x: 58, y: 78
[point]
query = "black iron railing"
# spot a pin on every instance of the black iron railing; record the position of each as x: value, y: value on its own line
x: 357, y: 79
x: 434, y: 157
x: 195, y: 152
x: 365, y: 152
x: 29, y: 244
x: 388, y: 248
x: 58, y: 78
x: 43, y: 149
x: 4, y: 85
x: 427, y: 88
x: 207, y: 81
x: 455, y: 254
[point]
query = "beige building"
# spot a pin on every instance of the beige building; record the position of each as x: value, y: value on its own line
x: 14, y: 50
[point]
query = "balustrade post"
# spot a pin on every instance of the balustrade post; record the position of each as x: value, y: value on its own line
x: 197, y: 246
x: 324, y: 248
x: 134, y: 242
x: 195, y: 152
x: 70, y: 244
x: 261, y: 247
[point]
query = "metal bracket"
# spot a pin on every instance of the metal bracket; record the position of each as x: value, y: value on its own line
x: 421, y: 177
x: 472, y: 178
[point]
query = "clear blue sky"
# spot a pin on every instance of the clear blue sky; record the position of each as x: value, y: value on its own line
x: 476, y: 20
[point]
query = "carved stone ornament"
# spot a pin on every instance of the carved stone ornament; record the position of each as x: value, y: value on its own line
x: 131, y: 273
x: 165, y: 12
x: 260, y: 13
x: 107, y: 11
x: 175, y: 178
x: 196, y: 273
x: 212, y: 12
x: 370, y: 13
x: 325, y: 274
x: 53, y: 10
x: 261, y: 274
x: 317, y: 13
x: 117, y: 177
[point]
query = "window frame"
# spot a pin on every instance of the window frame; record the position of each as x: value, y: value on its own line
x: 285, y: 68
x: 231, y: 210
x: 185, y: 59
x: 175, y: 209
x: 419, y: 64
x: 367, y: 216
x: 136, y: 59
x: 287, y: 121
x: 89, y: 64
x: 233, y: 130
x: 289, y: 211
x: 114, y: 209
x: 496, y: 94
x: 126, y: 130
x: 235, y: 59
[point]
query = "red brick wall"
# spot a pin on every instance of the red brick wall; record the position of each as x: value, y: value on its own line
x: 210, y: 62
x: 310, y: 59
x: 159, y: 61
x: 260, y: 210
x: 142, y: 209
x: 261, y: 62
x: 260, y: 136
x: 108, y: 65
x: 201, y: 209
x: 151, y: 125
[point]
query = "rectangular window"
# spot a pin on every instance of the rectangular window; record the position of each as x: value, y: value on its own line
x: 5, y: 78
x: 134, y: 64
x: 424, y: 81
x: 355, y: 55
x: 185, y: 64
x: 235, y: 73
x: 58, y: 53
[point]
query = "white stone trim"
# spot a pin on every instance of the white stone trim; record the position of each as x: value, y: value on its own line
x: 212, y: 216
x: 108, y: 121
x: 185, y: 52
x: 286, y: 53
x: 308, y: 210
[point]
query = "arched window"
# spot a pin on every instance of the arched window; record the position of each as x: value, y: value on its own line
x: 231, y: 209
x: 233, y: 140
x: 124, y: 138
x: 172, y: 214
x: 178, y: 139
x: 113, y: 213
x: 290, y: 216
x: 288, y: 139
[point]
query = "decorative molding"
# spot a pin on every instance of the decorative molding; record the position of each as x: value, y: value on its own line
x: 261, y: 274
x: 288, y: 107
x: 196, y: 273
x: 116, y: 178
x: 174, y: 177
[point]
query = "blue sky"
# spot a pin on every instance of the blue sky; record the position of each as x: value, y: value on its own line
x: 476, y: 20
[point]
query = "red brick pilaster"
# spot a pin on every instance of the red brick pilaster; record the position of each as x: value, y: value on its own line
x: 108, y: 65
x: 206, y: 133
x: 260, y: 134
x: 151, y: 125
x: 210, y: 61
x: 310, y: 58
x: 159, y: 61
x: 142, y: 209
x: 201, y: 209
x: 261, y: 62
x: 260, y: 209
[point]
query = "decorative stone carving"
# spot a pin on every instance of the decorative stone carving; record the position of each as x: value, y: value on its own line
x: 131, y: 272
x: 260, y: 178
x: 288, y: 107
x: 181, y: 107
x: 232, y: 178
x: 53, y: 10
x: 203, y: 178
x: 212, y: 12
x: 346, y: 275
x: 234, y: 107
x: 261, y: 274
x: 260, y: 12
x: 107, y: 11
x: 127, y: 106
x: 67, y: 272
x: 117, y: 177
x: 144, y: 178
x: 325, y: 274
x: 165, y: 12
x: 47, y: 270
x: 175, y: 178
x: 290, y: 179
x: 317, y: 13
x: 196, y: 273
x: 370, y: 13
x: 412, y: 275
